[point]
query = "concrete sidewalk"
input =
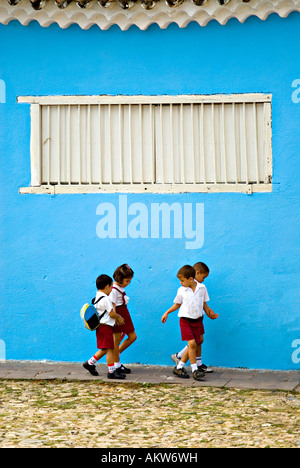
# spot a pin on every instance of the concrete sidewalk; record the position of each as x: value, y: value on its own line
x: 148, y: 374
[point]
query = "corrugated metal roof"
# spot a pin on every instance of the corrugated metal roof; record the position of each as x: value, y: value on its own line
x: 124, y: 4
x: 142, y: 13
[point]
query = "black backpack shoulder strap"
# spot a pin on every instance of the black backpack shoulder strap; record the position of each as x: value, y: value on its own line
x: 94, y: 302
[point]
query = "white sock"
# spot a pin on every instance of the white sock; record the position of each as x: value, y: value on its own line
x: 92, y: 361
x: 111, y: 368
x: 199, y: 361
x: 194, y: 367
x: 181, y: 353
x: 117, y: 365
x: 180, y: 365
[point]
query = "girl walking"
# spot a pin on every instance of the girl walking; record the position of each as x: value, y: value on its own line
x: 122, y: 276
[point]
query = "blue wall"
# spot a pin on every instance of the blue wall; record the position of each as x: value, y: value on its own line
x: 50, y: 251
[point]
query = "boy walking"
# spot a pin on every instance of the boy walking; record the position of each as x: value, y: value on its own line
x: 104, y: 333
x: 190, y: 300
x: 202, y: 272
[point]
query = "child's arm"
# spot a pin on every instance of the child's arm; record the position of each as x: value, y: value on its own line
x: 172, y: 309
x: 209, y: 312
x: 119, y: 320
x: 117, y: 317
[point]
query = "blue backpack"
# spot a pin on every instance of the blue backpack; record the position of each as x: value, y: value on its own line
x: 90, y: 316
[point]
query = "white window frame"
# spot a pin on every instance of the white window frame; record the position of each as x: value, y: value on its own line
x: 37, y: 102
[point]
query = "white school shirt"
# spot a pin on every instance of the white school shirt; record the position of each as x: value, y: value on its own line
x: 116, y: 295
x: 101, y: 306
x: 191, y: 302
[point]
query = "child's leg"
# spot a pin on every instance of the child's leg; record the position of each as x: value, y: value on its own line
x: 202, y: 367
x: 181, y: 353
x: 189, y: 354
x: 118, y: 366
x: 197, y: 374
x: 192, y: 354
x: 199, y: 352
x: 120, y: 348
x: 90, y: 365
x: 128, y: 342
x: 98, y: 355
x: 110, y: 356
x: 117, y: 341
x: 112, y: 371
x: 185, y: 356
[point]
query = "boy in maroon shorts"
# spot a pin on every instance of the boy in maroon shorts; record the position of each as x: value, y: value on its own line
x: 105, y: 331
x: 190, y: 299
x: 202, y: 272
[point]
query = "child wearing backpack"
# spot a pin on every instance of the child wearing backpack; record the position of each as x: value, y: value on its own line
x: 105, y: 331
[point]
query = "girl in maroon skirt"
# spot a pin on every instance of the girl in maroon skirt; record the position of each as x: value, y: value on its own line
x: 122, y: 276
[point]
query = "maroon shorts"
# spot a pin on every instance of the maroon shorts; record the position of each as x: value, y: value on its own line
x: 191, y: 329
x: 128, y: 326
x: 105, y: 337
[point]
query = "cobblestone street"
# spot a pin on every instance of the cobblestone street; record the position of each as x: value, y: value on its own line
x: 54, y: 413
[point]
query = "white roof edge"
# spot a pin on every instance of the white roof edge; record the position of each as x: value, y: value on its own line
x: 162, y: 14
x: 141, y: 99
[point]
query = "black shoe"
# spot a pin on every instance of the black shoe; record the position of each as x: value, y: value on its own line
x: 124, y: 369
x: 198, y: 375
x: 182, y: 373
x: 92, y: 369
x: 204, y: 368
x: 116, y: 375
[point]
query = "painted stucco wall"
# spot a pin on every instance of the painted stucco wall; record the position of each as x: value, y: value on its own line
x: 50, y: 249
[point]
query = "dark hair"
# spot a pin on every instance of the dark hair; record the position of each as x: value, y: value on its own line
x: 102, y: 281
x: 187, y: 271
x: 200, y: 266
x: 122, y: 272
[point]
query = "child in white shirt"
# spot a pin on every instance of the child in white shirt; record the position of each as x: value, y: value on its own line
x: 202, y: 272
x: 191, y: 298
x: 122, y: 276
x: 105, y: 331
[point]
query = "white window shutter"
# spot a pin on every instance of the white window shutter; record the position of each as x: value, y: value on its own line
x: 154, y: 143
